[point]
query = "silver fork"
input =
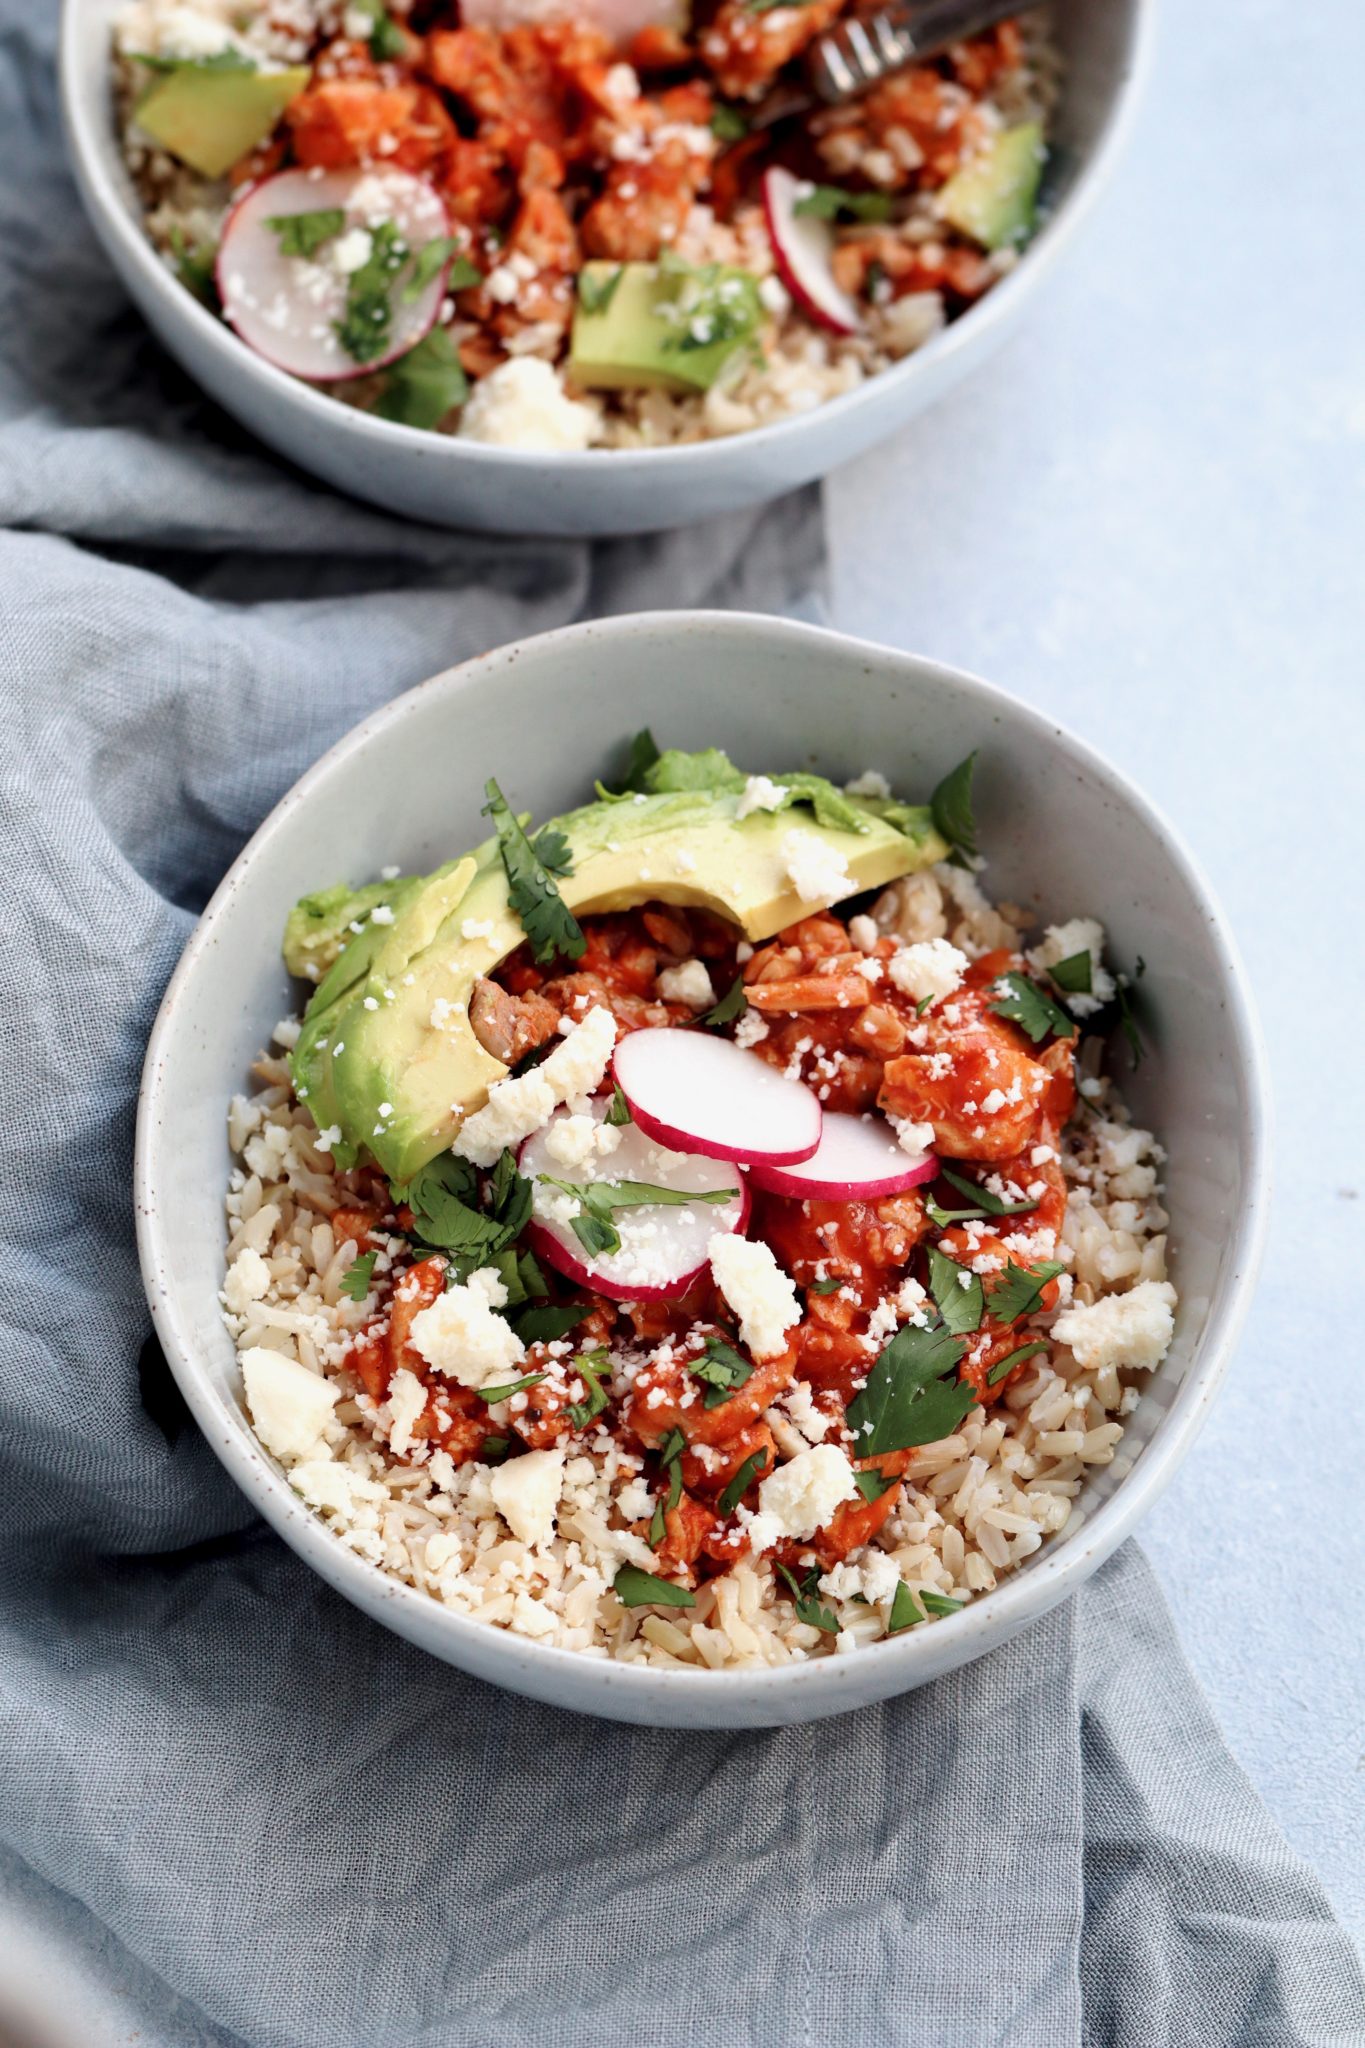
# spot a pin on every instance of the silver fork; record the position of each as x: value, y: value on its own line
x: 855, y: 55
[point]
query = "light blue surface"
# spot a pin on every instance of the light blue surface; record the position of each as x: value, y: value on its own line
x: 1147, y: 518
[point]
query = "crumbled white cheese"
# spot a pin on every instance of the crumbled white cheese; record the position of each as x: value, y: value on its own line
x: 406, y: 1403
x: 912, y: 1138
x: 462, y: 1337
x: 760, y: 793
x: 931, y: 968
x: 1133, y: 1329
x: 863, y: 932
x: 351, y: 252
x: 870, y: 783
x: 801, y: 1496
x: 526, y: 1494
x: 326, y: 1483
x: 248, y: 1280
x: 290, y: 1406
x: 525, y: 1103
x: 571, y: 1141
x: 188, y: 33
x: 750, y: 1030
x: 759, y: 1292
x: 817, y: 871
x: 1061, y: 942
x: 523, y: 404
x: 688, y: 983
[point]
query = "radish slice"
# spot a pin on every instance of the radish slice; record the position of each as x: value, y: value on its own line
x: 858, y: 1160
x: 708, y: 1095
x: 287, y: 307
x: 803, y: 248
x: 663, y: 1248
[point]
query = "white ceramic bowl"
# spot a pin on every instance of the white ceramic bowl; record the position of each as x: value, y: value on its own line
x: 1064, y: 832
x: 459, y: 483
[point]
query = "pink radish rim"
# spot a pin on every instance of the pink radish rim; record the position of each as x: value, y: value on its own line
x: 345, y: 376
x: 712, y: 1148
x: 777, y: 1180
x: 787, y: 269
x: 557, y: 1254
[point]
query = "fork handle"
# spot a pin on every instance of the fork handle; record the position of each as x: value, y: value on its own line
x: 857, y: 54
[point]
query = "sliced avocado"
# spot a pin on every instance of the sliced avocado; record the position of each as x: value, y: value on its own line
x: 388, y: 1053
x: 210, y: 114
x: 645, y: 325
x: 994, y: 197
x: 319, y: 926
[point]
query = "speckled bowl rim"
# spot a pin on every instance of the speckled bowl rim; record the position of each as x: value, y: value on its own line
x: 994, y: 312
x: 827, y: 1685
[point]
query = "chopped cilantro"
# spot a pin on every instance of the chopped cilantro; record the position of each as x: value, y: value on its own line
x: 549, y: 926
x: 670, y: 1456
x: 196, y: 267
x: 833, y: 202
x: 987, y: 1203
x: 425, y: 384
x: 728, y: 124
x: 431, y: 259
x: 913, y: 1604
x: 872, y: 1484
x: 951, y: 804
x: 1019, y: 1290
x: 364, y: 328
x: 595, y: 294
x: 743, y: 1480
x: 592, y: 1367
x: 959, y: 1305
x: 600, y: 1199
x: 1031, y: 1008
x: 808, y: 1608
x: 1007, y: 1365
x: 722, y: 1369
x: 619, y: 1113
x: 1075, y: 975
x: 641, y: 755
x: 386, y: 40
x: 824, y: 1286
x: 634, y: 1588
x: 355, y: 1281
x: 546, y: 1323
x: 492, y: 1394
x: 912, y: 1395
x: 303, y: 234
x: 495, y: 1449
x: 732, y: 1004
x: 551, y: 848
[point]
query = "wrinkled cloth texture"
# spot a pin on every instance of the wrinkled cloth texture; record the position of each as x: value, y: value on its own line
x: 238, y: 1809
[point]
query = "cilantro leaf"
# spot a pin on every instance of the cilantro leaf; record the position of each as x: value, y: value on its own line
x: 710, y: 770
x: 723, y: 1371
x: 951, y: 804
x: 728, y: 124
x: 443, y: 1198
x: 634, y: 1588
x: 492, y: 1394
x: 641, y: 754
x: 432, y: 258
x: 987, y: 1203
x: 824, y: 1286
x: 495, y: 1449
x: 664, y: 1506
x: 1031, y: 1008
x: 1075, y: 975
x: 1019, y: 1290
x: 363, y: 330
x: 595, y: 294
x: 386, y: 40
x: 619, y: 1113
x: 831, y: 806
x: 355, y: 1281
x: 959, y: 1305
x: 912, y: 1395
x: 549, y: 926
x: 872, y: 1484
x: 833, y: 202
x: 1136, y: 1048
x: 600, y: 1199
x: 1007, y: 1365
x: 913, y: 1604
x: 547, y: 1322
x: 743, y: 1480
x: 551, y: 848
x: 591, y: 1367
x: 196, y: 266
x: 808, y: 1608
x: 303, y: 234
x: 425, y: 384
x: 732, y: 1004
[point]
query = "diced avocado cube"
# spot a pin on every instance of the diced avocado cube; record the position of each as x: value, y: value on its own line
x: 994, y: 197
x: 209, y: 115
x: 649, y: 325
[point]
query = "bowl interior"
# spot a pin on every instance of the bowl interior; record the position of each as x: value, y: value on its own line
x: 1062, y: 833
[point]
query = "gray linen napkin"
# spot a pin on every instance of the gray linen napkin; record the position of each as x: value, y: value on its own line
x: 231, y: 1808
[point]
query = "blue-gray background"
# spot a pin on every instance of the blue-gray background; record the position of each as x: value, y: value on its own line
x: 1149, y: 518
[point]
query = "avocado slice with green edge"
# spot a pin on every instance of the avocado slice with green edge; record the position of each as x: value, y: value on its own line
x: 398, y: 1075
x: 208, y: 115
x: 639, y: 325
x: 994, y: 197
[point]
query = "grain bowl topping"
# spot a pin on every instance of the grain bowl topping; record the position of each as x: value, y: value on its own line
x: 626, y: 1253
x: 552, y: 228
